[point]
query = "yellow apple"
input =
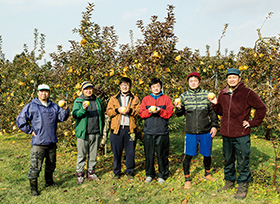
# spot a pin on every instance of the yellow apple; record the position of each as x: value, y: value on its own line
x: 123, y: 108
x: 211, y: 95
x: 153, y: 108
x: 61, y: 103
x: 87, y: 103
x: 177, y: 101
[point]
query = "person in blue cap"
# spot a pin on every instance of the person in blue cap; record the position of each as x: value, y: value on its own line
x: 234, y: 104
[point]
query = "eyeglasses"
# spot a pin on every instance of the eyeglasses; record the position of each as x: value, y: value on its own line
x: 125, y: 85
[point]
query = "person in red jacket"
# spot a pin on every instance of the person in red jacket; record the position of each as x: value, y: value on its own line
x: 234, y: 104
x: 156, y: 109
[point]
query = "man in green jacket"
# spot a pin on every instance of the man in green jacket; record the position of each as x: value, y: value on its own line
x: 89, y: 114
x: 201, y: 125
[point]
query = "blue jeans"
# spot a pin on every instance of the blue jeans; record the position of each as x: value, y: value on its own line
x: 237, y: 149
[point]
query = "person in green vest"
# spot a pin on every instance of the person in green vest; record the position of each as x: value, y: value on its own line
x: 89, y: 113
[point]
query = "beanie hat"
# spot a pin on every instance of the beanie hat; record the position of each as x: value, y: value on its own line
x: 86, y: 84
x: 233, y: 71
x: 43, y: 87
x: 194, y: 74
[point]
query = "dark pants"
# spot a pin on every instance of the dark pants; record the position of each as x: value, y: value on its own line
x: 118, y: 142
x: 162, y: 144
x: 187, y: 164
x: 237, y: 149
x: 38, y: 153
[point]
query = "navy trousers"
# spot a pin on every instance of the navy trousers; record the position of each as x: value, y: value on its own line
x: 121, y: 141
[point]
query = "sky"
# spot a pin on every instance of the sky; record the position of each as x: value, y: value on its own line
x: 198, y: 22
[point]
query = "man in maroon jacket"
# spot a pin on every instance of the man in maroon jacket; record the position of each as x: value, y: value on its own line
x: 156, y: 109
x: 234, y: 104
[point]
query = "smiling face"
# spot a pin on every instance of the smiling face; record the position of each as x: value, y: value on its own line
x: 43, y: 95
x: 87, y: 92
x: 156, y: 88
x: 194, y: 82
x: 125, y: 87
x: 233, y: 80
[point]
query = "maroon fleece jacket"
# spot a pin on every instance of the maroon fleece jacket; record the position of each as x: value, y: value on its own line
x: 235, y: 108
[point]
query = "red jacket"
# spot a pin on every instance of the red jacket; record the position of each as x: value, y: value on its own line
x: 156, y: 124
x: 236, y: 108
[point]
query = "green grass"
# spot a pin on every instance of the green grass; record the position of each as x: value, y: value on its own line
x: 14, y: 185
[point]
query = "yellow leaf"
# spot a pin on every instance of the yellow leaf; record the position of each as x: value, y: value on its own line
x: 70, y: 70
x: 123, y: 74
x: 125, y: 69
x: 155, y: 54
x: 117, y: 81
x: 112, y: 72
x: 78, y: 86
x: 83, y: 42
x: 178, y: 58
x: 167, y: 70
x: 141, y: 81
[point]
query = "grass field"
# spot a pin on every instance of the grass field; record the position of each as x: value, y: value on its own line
x: 14, y: 185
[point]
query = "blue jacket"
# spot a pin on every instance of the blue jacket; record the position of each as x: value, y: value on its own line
x: 42, y: 120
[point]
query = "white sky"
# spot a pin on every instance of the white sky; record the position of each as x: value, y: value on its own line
x: 199, y: 22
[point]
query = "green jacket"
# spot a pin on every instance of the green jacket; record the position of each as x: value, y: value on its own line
x: 199, y: 115
x: 81, y: 117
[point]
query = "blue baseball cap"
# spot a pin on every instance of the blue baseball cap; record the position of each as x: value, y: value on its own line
x: 233, y: 71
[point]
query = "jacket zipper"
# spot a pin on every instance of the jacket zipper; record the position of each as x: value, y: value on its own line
x: 196, y: 117
x: 230, y: 99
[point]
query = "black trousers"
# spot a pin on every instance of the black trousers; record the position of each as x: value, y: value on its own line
x: 160, y: 144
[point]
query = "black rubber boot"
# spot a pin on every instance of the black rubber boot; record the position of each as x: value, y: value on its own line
x: 34, y: 187
x: 49, y: 179
x: 241, y: 191
x: 227, y: 186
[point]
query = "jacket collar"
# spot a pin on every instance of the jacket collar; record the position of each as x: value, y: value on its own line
x: 118, y: 95
x: 195, y: 90
x: 156, y: 96
x: 237, y: 88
